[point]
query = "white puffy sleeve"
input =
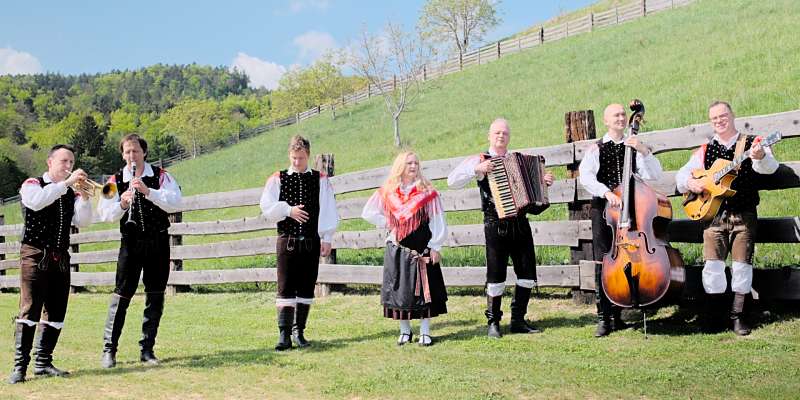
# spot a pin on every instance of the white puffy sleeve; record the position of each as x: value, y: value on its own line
x: 683, y: 175
x: 587, y: 176
x: 168, y: 196
x: 464, y: 172
x: 437, y: 223
x: 36, y: 197
x: 109, y: 210
x: 273, y: 209
x: 328, y: 217
x: 373, y: 210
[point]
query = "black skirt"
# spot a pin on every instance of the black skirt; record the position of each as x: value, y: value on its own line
x: 411, y: 290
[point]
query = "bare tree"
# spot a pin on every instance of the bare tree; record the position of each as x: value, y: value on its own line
x: 460, y: 22
x: 392, y: 65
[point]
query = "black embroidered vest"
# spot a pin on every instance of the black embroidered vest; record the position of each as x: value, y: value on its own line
x: 300, y: 188
x: 49, y: 227
x: 746, y: 198
x: 612, y: 162
x: 149, y: 217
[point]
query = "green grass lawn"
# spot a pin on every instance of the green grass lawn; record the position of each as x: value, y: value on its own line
x: 219, y: 346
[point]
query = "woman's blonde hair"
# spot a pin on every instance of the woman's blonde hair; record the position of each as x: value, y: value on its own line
x: 396, y: 173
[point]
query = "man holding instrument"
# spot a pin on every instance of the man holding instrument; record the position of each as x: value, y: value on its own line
x: 601, y: 172
x: 50, y: 206
x: 511, y: 237
x: 733, y: 229
x: 145, y: 197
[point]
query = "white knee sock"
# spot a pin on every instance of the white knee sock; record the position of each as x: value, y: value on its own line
x: 405, y: 327
x: 425, y: 326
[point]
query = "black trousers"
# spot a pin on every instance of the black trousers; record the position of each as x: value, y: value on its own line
x: 145, y: 255
x: 509, y: 238
x: 44, y: 284
x: 602, y: 238
x: 298, y: 266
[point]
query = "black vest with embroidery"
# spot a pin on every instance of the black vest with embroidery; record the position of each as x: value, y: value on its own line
x: 746, y: 198
x: 149, y: 217
x: 49, y: 227
x: 612, y: 162
x: 300, y: 189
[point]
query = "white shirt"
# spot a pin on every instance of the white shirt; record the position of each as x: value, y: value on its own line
x: 167, y: 197
x: 464, y: 172
x: 373, y: 212
x: 765, y: 166
x: 36, y: 197
x: 649, y: 168
x: 275, y: 210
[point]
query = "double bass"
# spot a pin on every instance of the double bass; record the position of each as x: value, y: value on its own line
x: 641, y: 267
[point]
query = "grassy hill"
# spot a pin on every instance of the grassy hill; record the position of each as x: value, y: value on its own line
x: 677, y: 62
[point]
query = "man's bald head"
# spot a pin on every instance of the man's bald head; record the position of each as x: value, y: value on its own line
x: 615, y: 119
x: 499, y: 135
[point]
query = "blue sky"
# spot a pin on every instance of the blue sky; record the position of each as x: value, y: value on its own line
x: 264, y: 38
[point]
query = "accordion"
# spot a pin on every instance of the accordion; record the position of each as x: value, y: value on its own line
x: 517, y: 185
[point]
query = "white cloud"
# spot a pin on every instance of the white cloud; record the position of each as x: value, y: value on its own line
x: 13, y: 62
x: 261, y: 73
x: 313, y: 44
x: 296, y: 6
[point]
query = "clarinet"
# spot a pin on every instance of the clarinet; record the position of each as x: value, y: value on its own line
x: 131, y: 223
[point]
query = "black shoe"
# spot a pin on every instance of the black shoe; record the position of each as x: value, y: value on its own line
x: 523, y: 326
x: 405, y: 338
x: 300, y: 319
x: 43, y: 365
x: 23, y: 342
x: 603, y: 328
x: 619, y: 324
x: 493, y: 316
x: 149, y: 357
x: 109, y: 360
x: 740, y: 327
x: 711, y: 320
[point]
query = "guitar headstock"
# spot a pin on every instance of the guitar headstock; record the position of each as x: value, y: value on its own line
x: 770, y: 139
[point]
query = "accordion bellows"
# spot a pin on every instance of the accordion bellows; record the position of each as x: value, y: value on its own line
x: 517, y: 185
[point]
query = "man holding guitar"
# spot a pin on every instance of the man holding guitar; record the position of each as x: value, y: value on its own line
x: 733, y: 228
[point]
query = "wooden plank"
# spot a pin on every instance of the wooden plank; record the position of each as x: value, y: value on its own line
x: 205, y: 277
x: 236, y: 198
x: 9, y: 281
x: 111, y: 235
x: 247, y: 224
x: 11, y: 230
x: 783, y: 283
x: 9, y: 264
x: 587, y: 276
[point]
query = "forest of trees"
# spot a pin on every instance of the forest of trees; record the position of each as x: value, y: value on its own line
x: 175, y: 107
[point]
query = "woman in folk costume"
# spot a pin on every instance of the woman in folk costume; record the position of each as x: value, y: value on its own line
x: 413, y: 286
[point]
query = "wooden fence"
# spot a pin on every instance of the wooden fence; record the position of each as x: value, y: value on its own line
x: 579, y: 274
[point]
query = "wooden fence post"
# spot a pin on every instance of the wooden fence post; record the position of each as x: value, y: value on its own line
x: 176, y: 265
x: 579, y: 125
x: 479, y: 56
x: 498, y: 49
x: 644, y: 8
x: 460, y: 61
x: 394, y: 82
x: 591, y: 22
x: 541, y: 35
x: 324, y: 163
x: 425, y: 72
x: 75, y: 248
x: 616, y: 14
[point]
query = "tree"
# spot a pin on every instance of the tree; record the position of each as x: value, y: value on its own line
x: 392, y: 64
x: 457, y: 22
x: 11, y: 177
x: 198, y: 124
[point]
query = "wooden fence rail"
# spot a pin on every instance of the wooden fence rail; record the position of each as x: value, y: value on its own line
x: 546, y: 233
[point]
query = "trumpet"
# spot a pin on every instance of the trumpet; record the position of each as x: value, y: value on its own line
x: 88, y: 187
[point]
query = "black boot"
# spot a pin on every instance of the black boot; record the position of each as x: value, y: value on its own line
x: 153, y: 309
x: 300, y: 318
x: 519, y: 307
x: 493, y: 315
x: 285, y: 322
x: 739, y: 326
x: 619, y: 324
x: 22, y: 351
x: 43, y: 365
x: 604, y: 309
x: 117, y: 310
x: 711, y: 314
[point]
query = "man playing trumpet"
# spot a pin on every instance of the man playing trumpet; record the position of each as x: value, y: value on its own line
x: 50, y: 206
x: 147, y: 195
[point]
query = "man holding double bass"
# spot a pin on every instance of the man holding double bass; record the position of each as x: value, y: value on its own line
x: 601, y: 172
x: 733, y: 229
